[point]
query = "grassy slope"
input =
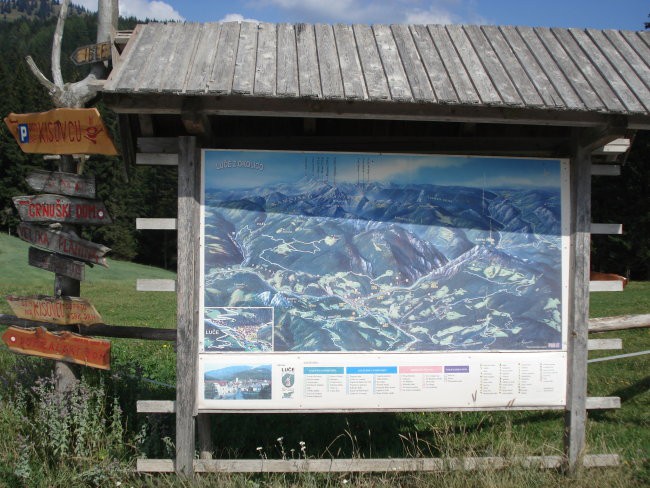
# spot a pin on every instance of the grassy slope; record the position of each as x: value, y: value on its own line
x: 626, y: 431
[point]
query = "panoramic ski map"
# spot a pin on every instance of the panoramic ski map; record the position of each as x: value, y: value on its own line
x: 336, y: 252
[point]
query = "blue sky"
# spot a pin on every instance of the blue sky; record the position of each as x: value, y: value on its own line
x: 599, y: 14
x: 251, y: 169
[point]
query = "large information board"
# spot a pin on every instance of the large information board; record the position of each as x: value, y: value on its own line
x: 350, y: 281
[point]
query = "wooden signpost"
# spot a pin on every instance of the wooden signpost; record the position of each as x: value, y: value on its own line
x: 56, y: 264
x: 62, y: 311
x: 62, y: 183
x: 64, y: 346
x: 57, y: 208
x: 61, y: 131
x: 92, y: 53
x: 63, y: 243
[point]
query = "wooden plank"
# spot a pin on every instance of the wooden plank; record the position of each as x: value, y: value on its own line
x: 287, y: 62
x: 484, y: 86
x: 415, y: 72
x: 156, y: 406
x: 265, y: 69
x: 61, y: 131
x: 604, y: 344
x: 511, y: 65
x: 636, y: 40
x: 155, y: 285
x: 398, y: 83
x: 150, y: 68
x: 569, y: 69
x: 610, y: 75
x: 576, y: 411
x: 605, y: 286
x: 603, y: 403
x: 328, y: 62
x: 591, y: 73
x: 373, y: 71
x: 442, y: 86
x: 64, y: 346
x: 354, y: 86
x: 134, y: 58
x: 179, y: 45
x: 562, y: 94
x: 204, y: 429
x: 156, y: 159
x: 630, y: 55
x: 617, y: 146
x: 221, y: 79
x: 63, y: 243
x: 155, y: 224
x: 605, y: 324
x: 160, y: 145
x: 244, y: 77
x: 308, y: 63
x: 606, y: 228
x: 63, y: 183
x: 493, y: 66
x: 453, y: 65
x: 359, y: 465
x: 200, y: 72
x: 58, y: 208
x: 100, y: 330
x: 187, y: 314
x: 605, y: 170
x: 56, y: 264
x: 56, y: 310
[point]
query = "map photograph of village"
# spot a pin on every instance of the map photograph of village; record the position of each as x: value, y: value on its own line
x: 381, y: 252
x: 237, y: 382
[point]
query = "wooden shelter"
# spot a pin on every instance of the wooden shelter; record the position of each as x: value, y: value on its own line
x: 489, y: 90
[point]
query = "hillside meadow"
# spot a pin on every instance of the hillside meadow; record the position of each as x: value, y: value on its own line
x: 93, y: 438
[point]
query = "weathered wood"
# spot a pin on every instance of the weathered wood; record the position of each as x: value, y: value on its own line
x: 61, y: 131
x: 221, y: 80
x: 617, y: 146
x: 604, y: 344
x: 619, y: 356
x: 308, y: 72
x: 606, y: 228
x: 442, y: 86
x: 623, y: 322
x: 64, y: 183
x: 56, y: 264
x: 605, y: 170
x: 180, y: 55
x: 453, y: 65
x: 577, y: 352
x: 160, y: 145
x: 155, y: 285
x: 63, y: 346
x: 189, y: 197
x: 63, y: 243
x: 155, y: 224
x: 91, y: 53
x: 153, y: 159
x: 358, y: 465
x: 413, y: 66
x: 596, y: 286
x: 603, y: 403
x: 156, y: 406
x: 354, y: 86
x: 398, y: 83
x: 58, y: 208
x: 328, y: 61
x: 100, y: 330
x: 200, y: 72
x: 58, y: 310
x: 266, y: 69
x: 204, y: 428
x: 287, y: 62
x: 244, y: 77
x: 373, y: 71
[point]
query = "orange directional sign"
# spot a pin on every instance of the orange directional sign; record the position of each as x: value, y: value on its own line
x: 62, y: 311
x: 64, y: 346
x: 61, y: 131
x: 92, y: 53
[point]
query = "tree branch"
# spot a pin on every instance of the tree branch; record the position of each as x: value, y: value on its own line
x: 56, y: 45
x: 51, y: 88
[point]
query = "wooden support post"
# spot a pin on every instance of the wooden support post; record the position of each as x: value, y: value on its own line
x: 189, y: 188
x: 576, y: 400
x: 205, y: 436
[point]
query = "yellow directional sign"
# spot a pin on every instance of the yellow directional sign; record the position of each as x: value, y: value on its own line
x: 92, y: 54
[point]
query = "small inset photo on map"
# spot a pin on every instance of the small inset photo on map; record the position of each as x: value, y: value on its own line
x: 248, y: 329
x: 237, y: 382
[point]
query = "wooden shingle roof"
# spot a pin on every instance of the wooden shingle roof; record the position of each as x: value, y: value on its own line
x: 546, y: 69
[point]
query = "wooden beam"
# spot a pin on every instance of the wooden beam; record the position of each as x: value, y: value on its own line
x: 606, y: 229
x: 604, y: 344
x: 156, y: 406
x: 359, y: 465
x: 605, y: 170
x: 617, y: 146
x: 155, y: 224
x: 151, y: 159
x: 155, y: 285
x: 603, y: 403
x: 615, y: 285
x: 164, y: 145
x: 605, y: 324
x: 189, y: 197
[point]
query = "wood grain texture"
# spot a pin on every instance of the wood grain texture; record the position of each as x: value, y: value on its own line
x: 354, y: 86
x: 244, y: 76
x: 328, y: 62
x: 155, y: 285
x: 398, y: 83
x: 287, y: 63
x: 442, y: 86
x: 413, y: 66
x: 308, y: 64
x: 199, y: 75
x: 604, y: 344
x: 221, y: 78
x: 265, y: 69
x: 623, y: 322
x: 373, y: 71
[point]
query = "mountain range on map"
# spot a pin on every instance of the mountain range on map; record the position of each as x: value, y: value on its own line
x: 389, y: 267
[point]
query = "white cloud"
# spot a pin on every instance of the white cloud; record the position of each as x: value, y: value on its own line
x: 237, y: 18
x: 141, y: 9
x: 433, y: 15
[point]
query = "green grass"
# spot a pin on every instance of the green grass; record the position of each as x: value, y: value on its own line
x: 625, y: 431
